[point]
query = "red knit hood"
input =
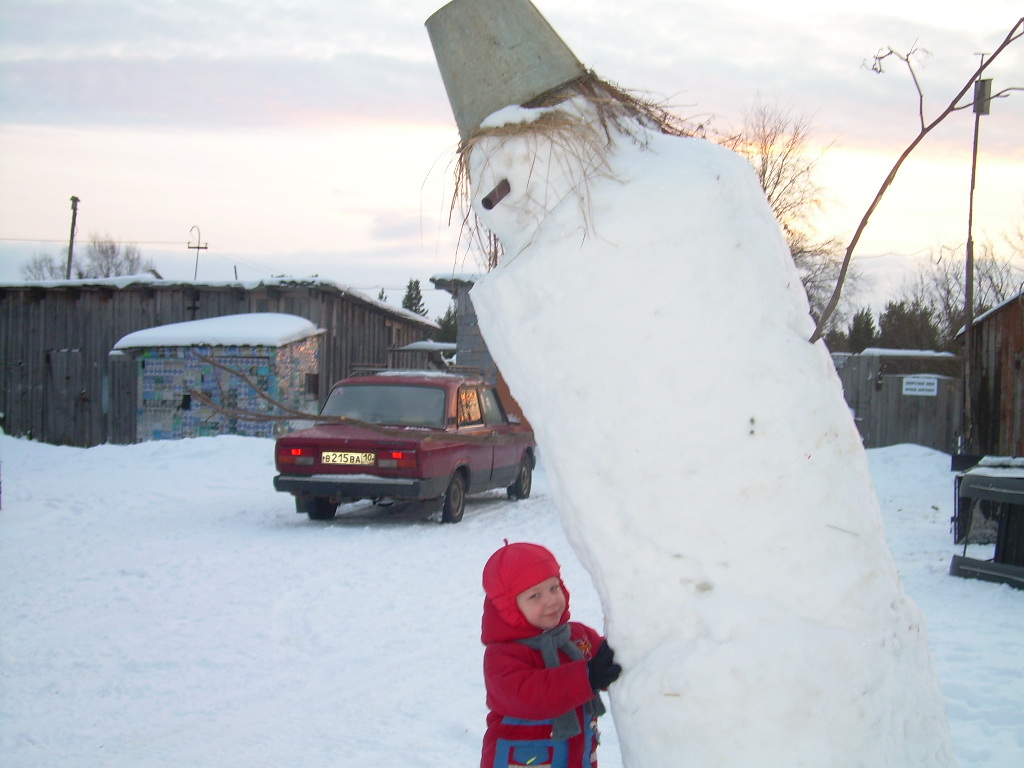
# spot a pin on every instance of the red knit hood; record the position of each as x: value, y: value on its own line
x: 510, y: 571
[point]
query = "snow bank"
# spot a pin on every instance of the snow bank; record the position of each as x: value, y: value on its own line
x: 159, y: 622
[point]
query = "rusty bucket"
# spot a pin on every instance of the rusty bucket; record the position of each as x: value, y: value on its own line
x: 493, y: 53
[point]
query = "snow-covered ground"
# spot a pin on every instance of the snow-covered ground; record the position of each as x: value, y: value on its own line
x: 161, y: 605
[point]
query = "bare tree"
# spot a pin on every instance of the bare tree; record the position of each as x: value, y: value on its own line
x: 1015, y: 240
x: 777, y: 144
x: 819, y: 263
x: 42, y: 266
x: 107, y: 258
x: 104, y: 258
x: 940, y: 287
x: 957, y: 103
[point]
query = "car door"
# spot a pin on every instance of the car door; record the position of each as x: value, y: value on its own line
x: 479, y: 445
x: 507, y: 449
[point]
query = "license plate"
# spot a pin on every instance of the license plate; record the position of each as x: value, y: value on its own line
x: 346, y: 457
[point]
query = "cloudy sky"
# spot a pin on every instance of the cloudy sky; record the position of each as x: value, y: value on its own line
x: 314, y: 136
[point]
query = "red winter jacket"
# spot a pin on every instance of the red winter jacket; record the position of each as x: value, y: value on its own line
x: 523, y: 697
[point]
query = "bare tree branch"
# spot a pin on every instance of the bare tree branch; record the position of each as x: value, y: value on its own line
x: 1015, y: 33
x: 286, y: 412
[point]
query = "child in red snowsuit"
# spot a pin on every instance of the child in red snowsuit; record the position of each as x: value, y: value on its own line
x: 542, y: 672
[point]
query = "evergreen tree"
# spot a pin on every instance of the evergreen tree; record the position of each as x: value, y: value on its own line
x: 836, y: 341
x: 862, y: 333
x: 907, y: 326
x: 449, y: 326
x: 413, y: 299
x: 382, y: 296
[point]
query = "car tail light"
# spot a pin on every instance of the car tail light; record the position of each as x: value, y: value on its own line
x: 396, y: 459
x: 291, y: 456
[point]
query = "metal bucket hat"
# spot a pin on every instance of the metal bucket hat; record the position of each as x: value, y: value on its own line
x: 493, y: 53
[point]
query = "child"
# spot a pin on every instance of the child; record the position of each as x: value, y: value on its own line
x: 542, y: 672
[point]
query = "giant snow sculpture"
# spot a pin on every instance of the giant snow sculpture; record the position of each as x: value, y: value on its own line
x: 651, y: 323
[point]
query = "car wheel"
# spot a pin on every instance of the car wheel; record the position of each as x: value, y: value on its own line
x: 316, y: 507
x: 521, y: 488
x: 454, y: 500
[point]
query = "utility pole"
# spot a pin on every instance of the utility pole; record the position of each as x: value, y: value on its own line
x: 198, y: 248
x: 71, y: 241
x: 982, y: 100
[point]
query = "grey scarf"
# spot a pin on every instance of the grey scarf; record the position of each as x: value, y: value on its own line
x: 549, y: 644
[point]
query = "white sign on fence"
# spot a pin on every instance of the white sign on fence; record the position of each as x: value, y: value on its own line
x: 921, y: 386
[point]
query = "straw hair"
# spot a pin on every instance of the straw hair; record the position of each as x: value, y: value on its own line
x: 584, y: 141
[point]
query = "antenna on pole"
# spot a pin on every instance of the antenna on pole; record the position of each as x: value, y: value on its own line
x: 198, y: 248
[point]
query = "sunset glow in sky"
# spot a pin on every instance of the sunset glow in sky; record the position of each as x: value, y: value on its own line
x: 314, y: 136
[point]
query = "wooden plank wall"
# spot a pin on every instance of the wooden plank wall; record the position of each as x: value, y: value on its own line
x: 885, y: 416
x: 998, y: 381
x: 58, y: 384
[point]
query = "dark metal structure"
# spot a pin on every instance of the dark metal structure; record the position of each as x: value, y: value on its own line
x: 992, y: 490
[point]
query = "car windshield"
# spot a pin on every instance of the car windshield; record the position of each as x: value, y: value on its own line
x: 393, y: 404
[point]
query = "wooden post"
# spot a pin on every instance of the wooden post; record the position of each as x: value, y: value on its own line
x: 71, y: 240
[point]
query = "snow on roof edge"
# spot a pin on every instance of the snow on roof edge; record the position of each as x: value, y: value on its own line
x: 428, y: 345
x: 263, y: 329
x: 129, y: 280
x: 885, y: 352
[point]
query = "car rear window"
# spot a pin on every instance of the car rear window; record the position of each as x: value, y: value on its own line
x: 399, y: 405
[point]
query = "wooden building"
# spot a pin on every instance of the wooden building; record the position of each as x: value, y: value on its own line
x: 990, y: 490
x: 997, y: 380
x: 58, y: 384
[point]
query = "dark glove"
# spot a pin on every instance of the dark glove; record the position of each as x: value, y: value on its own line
x: 602, y: 669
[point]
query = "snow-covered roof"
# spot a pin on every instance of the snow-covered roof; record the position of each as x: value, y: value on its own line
x: 248, y: 285
x: 882, y: 352
x: 996, y: 308
x: 268, y: 329
x: 995, y: 466
x: 430, y: 346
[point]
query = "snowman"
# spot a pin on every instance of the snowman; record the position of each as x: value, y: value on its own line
x: 649, y: 320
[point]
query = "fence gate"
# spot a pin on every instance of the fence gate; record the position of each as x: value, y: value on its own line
x: 67, y: 416
x: 892, y: 408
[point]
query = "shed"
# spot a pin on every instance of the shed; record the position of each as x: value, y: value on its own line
x: 58, y: 385
x: 997, y: 380
x: 232, y: 361
x: 903, y: 396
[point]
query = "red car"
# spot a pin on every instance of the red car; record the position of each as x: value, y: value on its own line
x: 406, y: 435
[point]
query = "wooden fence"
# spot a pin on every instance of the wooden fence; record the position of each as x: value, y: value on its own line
x: 903, y: 396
